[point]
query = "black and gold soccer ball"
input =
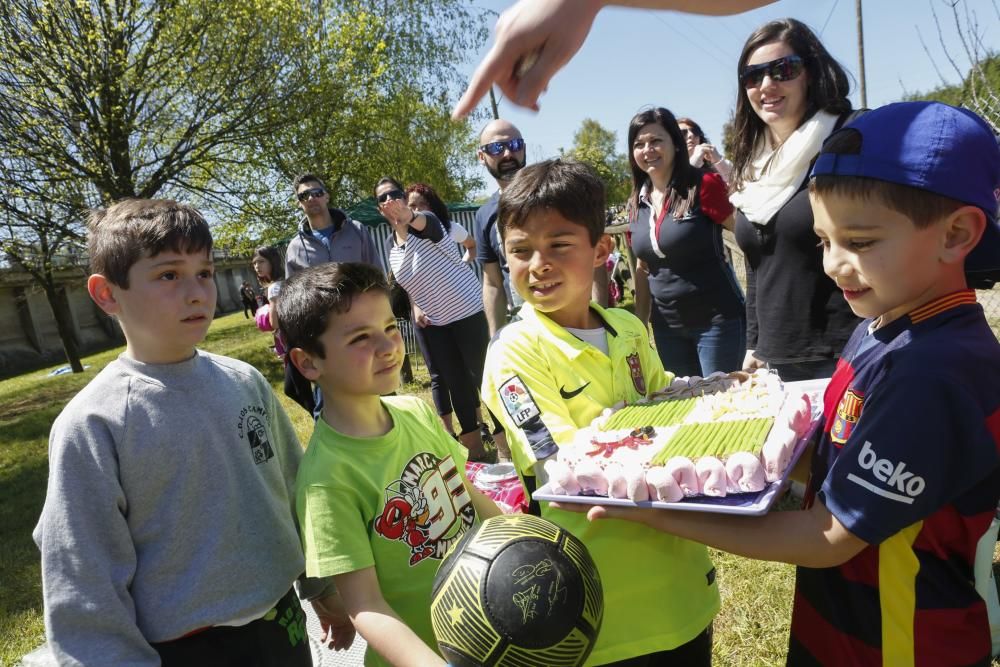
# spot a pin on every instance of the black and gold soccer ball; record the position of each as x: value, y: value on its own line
x: 517, y: 590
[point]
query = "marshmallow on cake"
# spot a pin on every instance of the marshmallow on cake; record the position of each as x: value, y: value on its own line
x: 725, y: 433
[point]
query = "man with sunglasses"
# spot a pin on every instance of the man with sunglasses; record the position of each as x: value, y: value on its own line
x: 325, y: 234
x: 501, y: 151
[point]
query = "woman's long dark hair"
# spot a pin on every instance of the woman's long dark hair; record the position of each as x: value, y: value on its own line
x: 684, y: 180
x: 438, y: 207
x: 273, y: 256
x: 827, y: 87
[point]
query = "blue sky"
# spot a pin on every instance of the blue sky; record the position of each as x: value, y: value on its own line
x: 634, y: 58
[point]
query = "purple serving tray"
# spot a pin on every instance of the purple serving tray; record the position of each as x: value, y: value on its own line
x: 747, y: 504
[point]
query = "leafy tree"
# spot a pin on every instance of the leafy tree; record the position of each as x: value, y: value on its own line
x: 595, y: 145
x: 106, y: 99
x: 384, y: 80
x: 219, y: 104
x: 40, y: 235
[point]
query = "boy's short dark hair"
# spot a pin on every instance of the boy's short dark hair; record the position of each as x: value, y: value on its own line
x: 306, y: 178
x: 569, y: 187
x: 124, y: 233
x: 922, y: 207
x: 309, y: 298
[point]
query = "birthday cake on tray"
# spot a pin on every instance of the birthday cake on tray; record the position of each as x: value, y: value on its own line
x: 711, y: 436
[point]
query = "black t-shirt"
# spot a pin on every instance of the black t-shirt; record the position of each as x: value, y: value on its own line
x: 692, y: 285
x: 795, y: 312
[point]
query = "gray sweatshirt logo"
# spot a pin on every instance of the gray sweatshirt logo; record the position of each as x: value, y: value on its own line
x: 260, y: 446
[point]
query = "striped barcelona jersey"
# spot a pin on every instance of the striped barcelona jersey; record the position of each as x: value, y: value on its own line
x: 910, y: 463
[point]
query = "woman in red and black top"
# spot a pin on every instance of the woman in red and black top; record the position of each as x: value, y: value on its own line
x: 684, y: 286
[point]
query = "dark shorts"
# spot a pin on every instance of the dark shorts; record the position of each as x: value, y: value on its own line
x: 276, y: 640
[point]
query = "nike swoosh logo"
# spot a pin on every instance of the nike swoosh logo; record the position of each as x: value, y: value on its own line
x: 570, y: 394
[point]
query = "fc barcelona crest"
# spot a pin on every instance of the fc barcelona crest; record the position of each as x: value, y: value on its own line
x: 635, y: 369
x: 847, y: 416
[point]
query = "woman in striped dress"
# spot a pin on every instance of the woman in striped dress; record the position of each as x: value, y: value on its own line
x: 427, y: 264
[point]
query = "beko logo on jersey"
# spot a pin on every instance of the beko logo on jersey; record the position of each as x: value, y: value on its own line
x: 893, y: 474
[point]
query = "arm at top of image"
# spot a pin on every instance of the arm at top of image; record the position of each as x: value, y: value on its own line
x: 553, y: 31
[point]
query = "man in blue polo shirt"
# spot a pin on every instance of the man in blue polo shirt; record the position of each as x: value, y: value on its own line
x: 501, y: 151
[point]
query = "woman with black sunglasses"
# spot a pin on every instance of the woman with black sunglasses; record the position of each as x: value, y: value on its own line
x: 426, y: 263
x: 793, y: 95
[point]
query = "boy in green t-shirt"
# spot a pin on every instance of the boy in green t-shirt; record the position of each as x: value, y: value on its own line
x: 381, y: 492
x: 552, y: 372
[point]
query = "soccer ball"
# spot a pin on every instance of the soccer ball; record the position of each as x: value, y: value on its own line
x: 517, y: 590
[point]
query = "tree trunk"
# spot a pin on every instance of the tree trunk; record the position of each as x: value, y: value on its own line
x: 56, y: 297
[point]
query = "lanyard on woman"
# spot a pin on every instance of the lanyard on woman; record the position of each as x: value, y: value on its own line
x: 654, y: 229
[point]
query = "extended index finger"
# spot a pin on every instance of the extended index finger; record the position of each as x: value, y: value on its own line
x: 496, y: 62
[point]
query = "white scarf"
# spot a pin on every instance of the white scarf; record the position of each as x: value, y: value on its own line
x: 765, y: 193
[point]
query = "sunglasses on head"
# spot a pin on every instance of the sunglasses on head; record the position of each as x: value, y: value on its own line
x: 782, y: 69
x: 390, y: 194
x: 311, y: 193
x: 498, y: 147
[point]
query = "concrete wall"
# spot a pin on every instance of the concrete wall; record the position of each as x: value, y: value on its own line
x: 28, y: 336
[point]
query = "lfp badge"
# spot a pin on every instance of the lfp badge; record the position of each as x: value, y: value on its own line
x: 517, y: 401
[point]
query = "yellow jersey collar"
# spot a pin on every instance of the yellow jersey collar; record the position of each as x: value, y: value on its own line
x: 568, y: 344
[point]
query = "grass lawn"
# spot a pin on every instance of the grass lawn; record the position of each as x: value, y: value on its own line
x: 752, y: 628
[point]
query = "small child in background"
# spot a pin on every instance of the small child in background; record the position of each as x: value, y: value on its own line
x: 270, y: 270
x: 249, y: 298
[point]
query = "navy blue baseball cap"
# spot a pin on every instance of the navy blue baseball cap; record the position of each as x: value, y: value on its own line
x: 934, y: 147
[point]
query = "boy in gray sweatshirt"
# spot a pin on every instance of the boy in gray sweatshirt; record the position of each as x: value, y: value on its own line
x: 168, y: 533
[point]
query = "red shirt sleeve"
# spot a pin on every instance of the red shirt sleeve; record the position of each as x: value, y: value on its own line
x: 715, y: 198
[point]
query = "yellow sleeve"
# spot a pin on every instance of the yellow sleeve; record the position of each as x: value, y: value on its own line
x: 519, y: 388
